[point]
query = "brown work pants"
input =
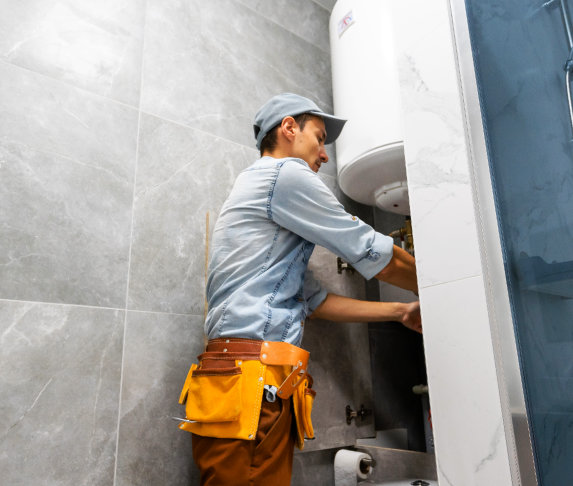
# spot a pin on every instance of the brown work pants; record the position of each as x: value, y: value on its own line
x: 267, y: 460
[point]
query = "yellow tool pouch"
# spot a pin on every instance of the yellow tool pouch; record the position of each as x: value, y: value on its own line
x: 224, y: 405
x: 303, y: 399
x: 205, y: 386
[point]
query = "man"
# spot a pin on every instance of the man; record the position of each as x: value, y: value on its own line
x: 252, y: 378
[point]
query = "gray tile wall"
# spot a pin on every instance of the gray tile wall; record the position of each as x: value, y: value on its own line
x: 123, y: 124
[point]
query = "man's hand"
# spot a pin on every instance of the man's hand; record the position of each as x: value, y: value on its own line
x: 411, y: 317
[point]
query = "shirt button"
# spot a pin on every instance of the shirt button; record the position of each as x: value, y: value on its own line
x: 354, y: 218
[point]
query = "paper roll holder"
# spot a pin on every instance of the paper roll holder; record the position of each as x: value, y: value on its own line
x: 366, y: 465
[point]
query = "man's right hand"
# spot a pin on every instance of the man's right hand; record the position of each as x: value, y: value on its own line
x: 411, y: 317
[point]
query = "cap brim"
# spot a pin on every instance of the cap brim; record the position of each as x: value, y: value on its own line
x: 332, y: 125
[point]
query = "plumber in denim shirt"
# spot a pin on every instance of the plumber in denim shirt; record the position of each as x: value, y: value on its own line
x: 258, y: 286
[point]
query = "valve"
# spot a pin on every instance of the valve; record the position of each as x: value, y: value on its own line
x: 362, y: 413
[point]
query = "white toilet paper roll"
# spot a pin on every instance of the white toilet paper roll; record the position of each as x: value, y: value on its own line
x: 347, y: 467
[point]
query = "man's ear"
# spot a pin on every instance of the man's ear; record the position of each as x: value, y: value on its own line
x: 288, y: 127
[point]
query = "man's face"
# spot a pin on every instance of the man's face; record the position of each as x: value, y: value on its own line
x: 309, y: 143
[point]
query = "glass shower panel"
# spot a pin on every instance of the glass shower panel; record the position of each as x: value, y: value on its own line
x: 520, y: 49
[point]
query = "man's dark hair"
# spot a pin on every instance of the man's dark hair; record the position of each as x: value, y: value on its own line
x: 270, y: 141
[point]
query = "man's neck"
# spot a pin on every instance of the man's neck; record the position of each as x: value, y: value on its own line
x: 276, y: 153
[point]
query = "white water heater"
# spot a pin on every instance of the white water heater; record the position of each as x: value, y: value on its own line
x: 370, y: 149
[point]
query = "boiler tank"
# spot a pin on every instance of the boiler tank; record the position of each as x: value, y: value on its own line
x: 370, y: 149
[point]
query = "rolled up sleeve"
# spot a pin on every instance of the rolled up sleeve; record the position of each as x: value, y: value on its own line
x: 313, y: 292
x: 301, y: 203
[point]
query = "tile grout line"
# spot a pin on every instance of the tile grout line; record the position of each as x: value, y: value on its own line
x: 113, y: 101
x: 69, y: 85
x: 200, y: 130
x: 123, y: 346
x: 455, y: 280
x: 101, y: 307
x: 125, y: 105
x: 134, y: 194
x: 321, y: 6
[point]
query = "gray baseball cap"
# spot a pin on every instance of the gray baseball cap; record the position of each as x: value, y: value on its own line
x: 288, y: 104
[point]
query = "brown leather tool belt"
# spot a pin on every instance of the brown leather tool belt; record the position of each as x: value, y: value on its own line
x: 221, y: 351
x: 223, y: 395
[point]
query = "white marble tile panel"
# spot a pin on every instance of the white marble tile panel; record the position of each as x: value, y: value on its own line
x: 466, y: 410
x: 439, y: 179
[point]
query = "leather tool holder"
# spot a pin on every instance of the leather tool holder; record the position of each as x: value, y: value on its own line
x: 297, y: 384
x: 279, y: 353
x: 223, y: 395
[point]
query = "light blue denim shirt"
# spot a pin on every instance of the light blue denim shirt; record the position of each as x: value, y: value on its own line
x: 258, y: 285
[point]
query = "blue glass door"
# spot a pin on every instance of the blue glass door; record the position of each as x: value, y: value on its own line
x: 520, y: 49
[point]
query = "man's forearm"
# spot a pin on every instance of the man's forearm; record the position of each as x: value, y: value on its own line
x: 344, y: 309
x: 401, y: 271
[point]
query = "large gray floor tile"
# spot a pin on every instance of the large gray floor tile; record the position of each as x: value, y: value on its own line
x: 52, y: 117
x: 327, y: 4
x: 182, y: 175
x: 92, y: 45
x: 306, y: 19
x: 342, y: 377
x: 159, y: 350
x: 213, y: 67
x: 67, y: 167
x: 340, y: 366
x: 314, y: 468
x: 331, y: 167
x: 323, y: 265
x: 60, y: 393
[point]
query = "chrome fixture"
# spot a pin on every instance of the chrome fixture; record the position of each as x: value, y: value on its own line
x: 362, y: 413
x: 344, y: 266
x: 405, y: 236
